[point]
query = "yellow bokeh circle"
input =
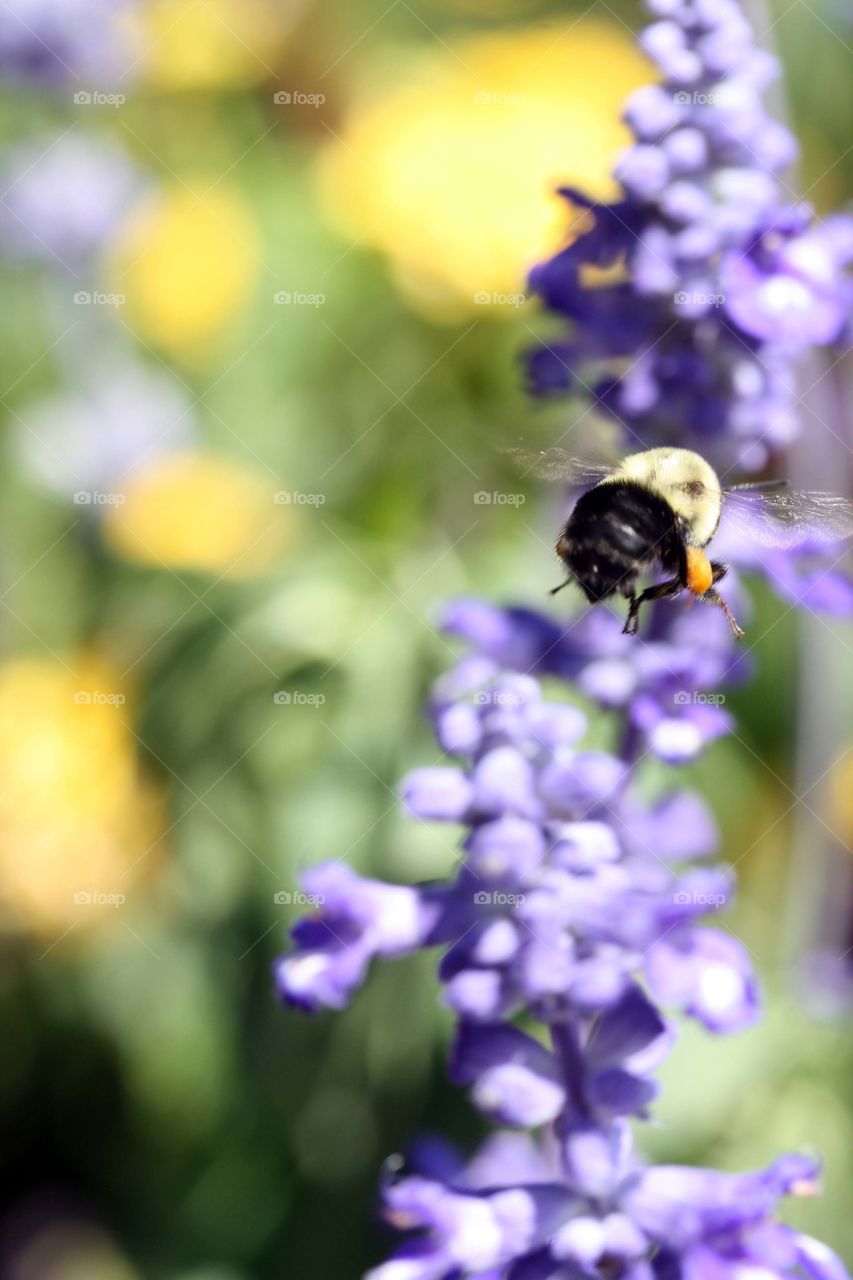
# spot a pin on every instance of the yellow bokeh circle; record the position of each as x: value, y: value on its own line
x: 185, y: 266
x: 199, y: 512
x: 451, y: 171
x: 79, y: 825
x: 206, y: 44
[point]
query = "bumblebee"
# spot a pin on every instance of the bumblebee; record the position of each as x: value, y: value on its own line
x: 658, y: 510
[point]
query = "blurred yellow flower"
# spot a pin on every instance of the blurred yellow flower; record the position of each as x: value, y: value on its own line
x: 78, y: 824
x: 185, y: 267
x: 841, y: 797
x: 201, y: 44
x: 452, y: 172
x: 198, y: 512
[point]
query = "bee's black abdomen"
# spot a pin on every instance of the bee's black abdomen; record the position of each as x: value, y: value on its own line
x: 616, y: 531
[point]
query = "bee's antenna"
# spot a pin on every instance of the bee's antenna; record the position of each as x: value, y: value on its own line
x: 758, y: 486
x: 554, y: 590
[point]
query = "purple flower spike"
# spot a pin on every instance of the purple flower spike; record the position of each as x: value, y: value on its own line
x: 573, y: 885
x: 574, y: 930
x: 721, y: 276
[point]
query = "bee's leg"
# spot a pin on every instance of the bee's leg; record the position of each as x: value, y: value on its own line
x: 632, y: 621
x: 662, y: 591
x: 714, y: 597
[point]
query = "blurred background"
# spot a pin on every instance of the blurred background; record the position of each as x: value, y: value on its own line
x: 263, y: 314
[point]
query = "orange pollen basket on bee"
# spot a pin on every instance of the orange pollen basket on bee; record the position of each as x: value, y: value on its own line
x: 700, y: 575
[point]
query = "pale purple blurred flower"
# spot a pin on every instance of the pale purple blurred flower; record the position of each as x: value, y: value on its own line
x: 63, y: 198
x: 71, y: 43
x: 92, y: 435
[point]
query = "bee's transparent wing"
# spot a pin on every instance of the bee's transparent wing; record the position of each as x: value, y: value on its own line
x: 557, y: 464
x: 788, y: 518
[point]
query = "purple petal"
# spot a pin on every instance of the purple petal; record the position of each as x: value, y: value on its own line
x: 510, y: 1159
x: 621, y: 1093
x: 502, y: 782
x: 475, y: 993
x: 477, y: 1048
x: 458, y: 729
x: 440, y: 793
x: 581, y: 846
x: 506, y: 847
x: 709, y: 974
x: 581, y: 1240
x: 818, y: 1261
x: 576, y: 786
x: 513, y: 1094
x: 625, y: 1029
x: 320, y: 979
x: 598, y: 1160
x: 651, y: 112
